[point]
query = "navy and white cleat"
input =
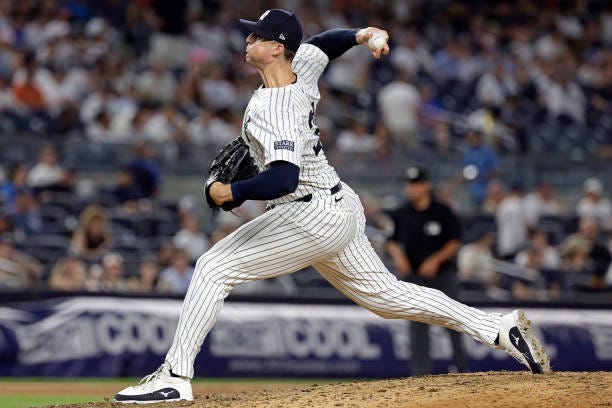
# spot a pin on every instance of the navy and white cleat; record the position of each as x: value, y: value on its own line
x: 517, y: 338
x: 161, y: 386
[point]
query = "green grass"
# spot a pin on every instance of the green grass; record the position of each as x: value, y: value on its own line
x: 21, y: 401
x: 215, y: 380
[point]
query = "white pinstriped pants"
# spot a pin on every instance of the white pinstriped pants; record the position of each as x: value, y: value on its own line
x: 330, y: 236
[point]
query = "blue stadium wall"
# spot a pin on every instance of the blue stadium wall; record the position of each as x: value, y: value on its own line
x: 114, y: 336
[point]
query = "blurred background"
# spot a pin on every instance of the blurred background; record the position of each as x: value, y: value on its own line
x: 111, y: 111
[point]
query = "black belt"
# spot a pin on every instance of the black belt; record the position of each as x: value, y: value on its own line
x: 308, y: 197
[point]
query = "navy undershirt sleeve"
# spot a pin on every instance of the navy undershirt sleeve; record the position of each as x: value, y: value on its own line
x: 280, y: 179
x: 334, y: 42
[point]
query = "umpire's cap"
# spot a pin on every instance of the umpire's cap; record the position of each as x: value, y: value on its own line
x: 415, y: 174
x: 278, y: 25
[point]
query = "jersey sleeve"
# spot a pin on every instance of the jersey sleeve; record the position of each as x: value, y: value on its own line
x: 309, y: 63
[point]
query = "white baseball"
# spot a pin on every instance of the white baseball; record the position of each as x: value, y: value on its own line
x: 377, y: 41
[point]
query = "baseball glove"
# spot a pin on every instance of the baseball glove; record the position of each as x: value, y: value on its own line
x: 232, y: 163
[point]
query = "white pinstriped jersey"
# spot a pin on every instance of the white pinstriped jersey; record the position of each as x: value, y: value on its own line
x: 279, y: 124
x: 327, y: 232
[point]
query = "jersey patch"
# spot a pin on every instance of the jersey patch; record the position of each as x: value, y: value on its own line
x: 284, y: 145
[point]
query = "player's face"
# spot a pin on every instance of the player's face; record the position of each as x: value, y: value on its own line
x: 258, y: 50
x: 418, y: 190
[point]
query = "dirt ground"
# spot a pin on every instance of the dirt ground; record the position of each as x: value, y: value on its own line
x: 490, y: 389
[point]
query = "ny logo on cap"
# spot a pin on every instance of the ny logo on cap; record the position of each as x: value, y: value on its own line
x: 264, y: 15
x: 413, y: 172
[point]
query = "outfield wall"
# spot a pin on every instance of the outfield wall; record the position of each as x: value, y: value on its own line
x: 108, y: 336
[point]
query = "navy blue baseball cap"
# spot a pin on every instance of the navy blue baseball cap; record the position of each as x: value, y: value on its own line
x: 278, y: 25
x: 415, y: 174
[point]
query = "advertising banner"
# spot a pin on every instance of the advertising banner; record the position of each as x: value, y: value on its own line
x: 91, y: 336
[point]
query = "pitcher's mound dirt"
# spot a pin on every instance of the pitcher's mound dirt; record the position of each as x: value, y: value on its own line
x: 491, y: 389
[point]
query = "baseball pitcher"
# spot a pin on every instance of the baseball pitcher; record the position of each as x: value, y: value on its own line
x: 313, y: 218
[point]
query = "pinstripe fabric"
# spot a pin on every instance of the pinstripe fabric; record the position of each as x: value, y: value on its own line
x: 357, y: 272
x: 277, y: 117
x: 281, y: 241
x: 327, y: 232
x: 330, y: 236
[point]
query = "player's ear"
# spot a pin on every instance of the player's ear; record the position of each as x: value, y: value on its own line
x: 279, y: 49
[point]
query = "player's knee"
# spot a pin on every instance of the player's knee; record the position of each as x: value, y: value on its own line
x: 208, y: 268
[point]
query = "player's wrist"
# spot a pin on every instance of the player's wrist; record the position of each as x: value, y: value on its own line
x: 360, y: 35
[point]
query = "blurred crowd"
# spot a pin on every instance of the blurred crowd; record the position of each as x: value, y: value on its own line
x: 478, y: 78
x: 534, y: 245
x: 173, y: 71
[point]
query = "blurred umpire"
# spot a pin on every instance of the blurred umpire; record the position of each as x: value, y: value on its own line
x: 423, y: 246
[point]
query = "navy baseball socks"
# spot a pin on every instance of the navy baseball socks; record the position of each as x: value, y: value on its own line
x: 516, y: 338
x: 161, y: 386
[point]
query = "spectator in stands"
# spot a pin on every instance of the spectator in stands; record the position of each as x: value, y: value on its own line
x: 190, y: 238
x: 542, y: 202
x: 6, y: 226
x: 190, y: 94
x: 165, y: 253
x: 399, y: 103
x: 127, y: 193
x: 11, y: 119
x: 68, y: 275
x: 113, y: 279
x: 145, y: 170
x: 101, y: 98
x: 583, y: 252
x: 593, y: 204
x: 563, y: 97
x: 538, y: 254
x: 176, y: 278
x: 101, y: 130
x: 147, y: 278
x: 494, y: 86
x: 496, y: 192
x: 166, y: 125
x: 488, y: 122
x: 93, y: 237
x: 198, y: 128
x: 446, y: 192
x: 26, y: 90
x: 475, y: 263
x: 218, y: 127
x: 357, y: 140
x: 7, y: 99
x: 16, y: 184
x: 218, y: 92
x: 511, y: 223
x: 18, y: 270
x: 480, y: 165
x: 442, y: 137
x: 48, y: 174
x: 410, y: 53
x: 157, y: 84
x: 25, y: 216
x: 169, y: 41
x: 516, y: 119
